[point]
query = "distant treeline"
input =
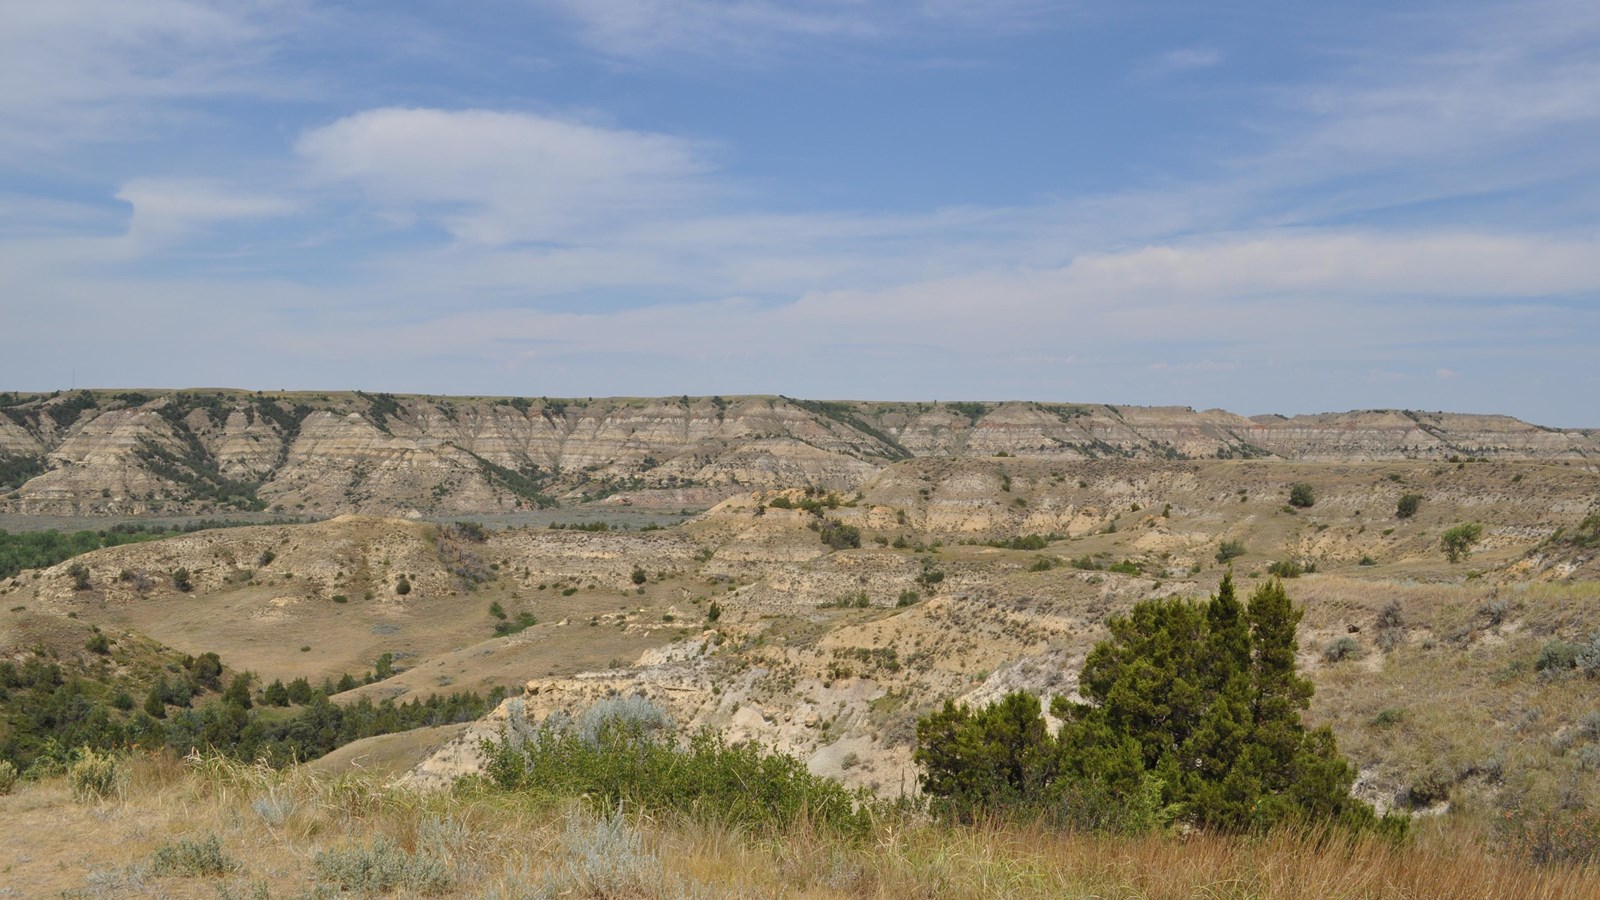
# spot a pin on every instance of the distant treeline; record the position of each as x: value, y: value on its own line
x: 48, y: 713
x: 41, y: 549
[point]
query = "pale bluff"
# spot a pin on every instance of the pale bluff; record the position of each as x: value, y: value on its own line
x: 210, y: 451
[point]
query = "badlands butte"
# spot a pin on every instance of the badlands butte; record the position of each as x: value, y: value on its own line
x: 847, y: 567
x: 141, y: 453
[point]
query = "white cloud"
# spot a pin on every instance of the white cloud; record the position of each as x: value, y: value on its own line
x: 85, y: 70
x: 502, y: 177
x: 1184, y: 59
x: 637, y: 28
x: 167, y: 209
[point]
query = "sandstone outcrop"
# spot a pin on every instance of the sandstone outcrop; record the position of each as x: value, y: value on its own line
x: 205, y: 452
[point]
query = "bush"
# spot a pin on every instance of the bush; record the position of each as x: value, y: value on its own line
x: 907, y: 598
x: 1286, y: 568
x: 1458, y: 540
x: 1194, y: 707
x: 98, y: 643
x: 1587, y: 660
x: 857, y: 600
x: 402, y: 586
x: 382, y: 867
x: 1230, y: 550
x: 1340, y: 649
x: 1407, y: 507
x: 605, y: 858
x: 193, y: 859
x: 95, y: 776
x: 8, y: 777
x: 838, y: 535
x: 1558, y: 656
x: 1301, y: 495
x: 1389, y: 715
x: 80, y: 576
x: 180, y: 580
x: 624, y: 752
x: 1391, y: 626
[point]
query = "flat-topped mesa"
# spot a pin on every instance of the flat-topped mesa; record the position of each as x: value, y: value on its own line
x: 96, y: 452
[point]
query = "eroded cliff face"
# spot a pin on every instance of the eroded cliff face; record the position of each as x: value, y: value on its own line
x: 121, y: 453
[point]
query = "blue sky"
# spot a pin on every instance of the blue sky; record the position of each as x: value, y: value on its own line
x: 1267, y: 207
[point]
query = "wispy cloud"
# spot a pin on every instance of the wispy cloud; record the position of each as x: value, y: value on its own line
x: 1182, y: 60
x: 86, y: 70
x: 646, y: 28
x: 499, y: 177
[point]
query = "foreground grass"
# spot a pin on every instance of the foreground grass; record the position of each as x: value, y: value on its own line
x: 213, y: 828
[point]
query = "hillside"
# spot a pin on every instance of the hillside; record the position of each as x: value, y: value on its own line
x: 964, y: 578
x: 133, y: 453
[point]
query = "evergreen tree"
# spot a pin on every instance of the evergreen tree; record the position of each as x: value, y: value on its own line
x: 1190, y: 709
x: 238, y: 692
x: 275, y: 694
x: 153, y: 704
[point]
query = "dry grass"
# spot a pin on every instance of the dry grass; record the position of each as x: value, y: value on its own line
x: 484, y: 843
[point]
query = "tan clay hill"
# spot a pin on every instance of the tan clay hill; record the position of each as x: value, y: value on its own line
x: 200, y: 452
x: 746, y: 621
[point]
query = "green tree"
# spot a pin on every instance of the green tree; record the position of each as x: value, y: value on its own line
x: 1302, y: 495
x: 1191, y: 710
x: 153, y: 704
x: 1408, y: 505
x: 1458, y: 540
x: 275, y: 694
x: 238, y: 692
x: 300, y: 692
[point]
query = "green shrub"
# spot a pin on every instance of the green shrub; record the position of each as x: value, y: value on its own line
x: 382, y: 867
x: 1458, y: 540
x: 1557, y: 656
x: 858, y: 600
x: 1388, y: 716
x: 625, y: 753
x: 193, y: 859
x: 94, y: 776
x: 1408, y: 505
x: 640, y: 576
x: 1194, y: 707
x: 1584, y: 536
x: 8, y: 777
x: 907, y: 598
x: 402, y: 586
x: 1301, y: 495
x: 181, y: 581
x: 1286, y: 568
x: 1228, y: 550
x: 98, y: 643
x: 838, y: 535
x: 1340, y: 649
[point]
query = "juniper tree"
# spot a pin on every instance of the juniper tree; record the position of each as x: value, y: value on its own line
x: 1194, y: 705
